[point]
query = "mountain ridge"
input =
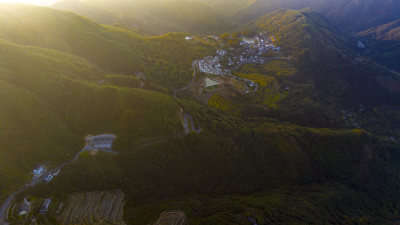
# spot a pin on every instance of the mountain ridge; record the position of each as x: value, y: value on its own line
x: 315, y: 140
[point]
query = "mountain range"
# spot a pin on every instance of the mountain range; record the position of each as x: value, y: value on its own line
x: 200, y: 16
x: 316, y: 142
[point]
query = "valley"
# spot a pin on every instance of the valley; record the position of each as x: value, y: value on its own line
x: 188, y: 112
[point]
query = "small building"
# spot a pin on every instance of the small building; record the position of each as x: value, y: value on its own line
x: 50, y: 176
x: 188, y: 38
x: 141, y: 75
x: 39, y: 170
x: 45, y: 206
x: 100, y: 142
x: 24, y: 208
x: 221, y: 52
x: 360, y: 44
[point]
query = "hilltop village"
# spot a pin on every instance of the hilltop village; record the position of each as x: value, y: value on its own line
x: 250, y: 49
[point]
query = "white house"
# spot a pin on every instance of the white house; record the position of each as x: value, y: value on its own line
x: 100, y: 142
x: 360, y: 44
x: 39, y: 170
x: 221, y: 53
x: 50, y: 176
x: 45, y: 206
x: 24, y: 208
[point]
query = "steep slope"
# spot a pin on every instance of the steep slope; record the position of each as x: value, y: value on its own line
x: 150, y: 17
x: 300, y: 32
x: 113, y: 49
x: 55, y: 91
x: 358, y: 15
x: 107, y: 47
x: 387, y: 32
x: 353, y: 15
x: 52, y: 100
x: 331, y: 76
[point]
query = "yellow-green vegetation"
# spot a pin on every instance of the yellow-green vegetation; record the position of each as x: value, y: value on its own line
x: 152, y: 16
x: 275, y: 68
x: 272, y: 97
x: 223, y: 104
x: 239, y: 85
x: 295, y: 30
x: 123, y: 80
x: 261, y: 79
x: 56, y: 88
x: 166, y: 60
x: 52, y: 100
x: 279, y: 68
x: 269, y: 92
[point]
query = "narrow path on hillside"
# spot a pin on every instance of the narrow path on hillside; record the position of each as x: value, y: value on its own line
x: 190, y: 128
x: 176, y: 91
x: 152, y: 142
x: 186, y: 117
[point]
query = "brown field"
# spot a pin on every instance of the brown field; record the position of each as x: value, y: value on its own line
x: 94, y: 208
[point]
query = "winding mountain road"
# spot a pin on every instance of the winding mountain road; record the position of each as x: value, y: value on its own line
x: 186, y: 118
x: 176, y: 91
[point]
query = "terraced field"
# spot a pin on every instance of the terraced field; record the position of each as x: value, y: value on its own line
x: 261, y: 79
x: 279, y: 68
x: 94, y: 208
x: 223, y: 104
x: 176, y: 217
x: 272, y: 97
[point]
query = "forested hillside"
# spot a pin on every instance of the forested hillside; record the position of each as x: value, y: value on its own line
x: 113, y: 49
x: 334, y: 74
x: 386, y: 32
x: 52, y: 100
x: 154, y: 17
x: 315, y: 143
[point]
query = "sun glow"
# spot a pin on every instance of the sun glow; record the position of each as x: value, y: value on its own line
x: 32, y: 2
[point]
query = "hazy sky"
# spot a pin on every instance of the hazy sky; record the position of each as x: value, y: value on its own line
x: 35, y: 2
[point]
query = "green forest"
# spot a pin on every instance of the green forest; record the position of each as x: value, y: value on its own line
x: 316, y: 143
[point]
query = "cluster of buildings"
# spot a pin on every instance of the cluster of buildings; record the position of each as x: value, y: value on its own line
x: 246, y: 58
x: 350, y: 118
x: 24, y: 208
x: 260, y: 42
x: 211, y: 65
x: 360, y: 44
x: 251, y: 50
x: 41, y: 173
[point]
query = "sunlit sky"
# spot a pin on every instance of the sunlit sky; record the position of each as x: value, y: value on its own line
x: 34, y: 2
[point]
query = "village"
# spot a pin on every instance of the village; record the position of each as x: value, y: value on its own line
x: 251, y: 50
x: 42, y: 174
